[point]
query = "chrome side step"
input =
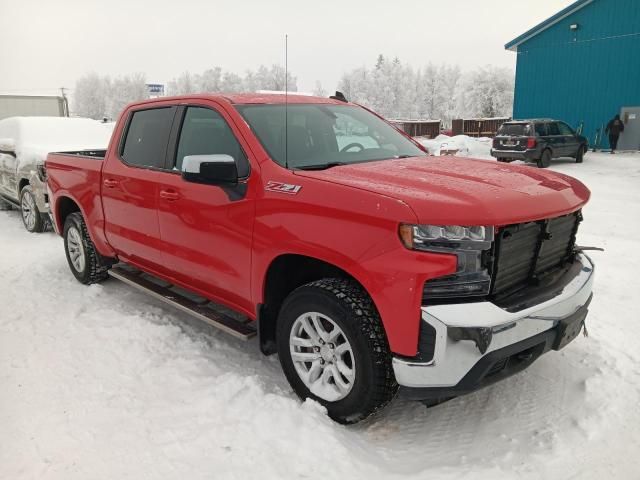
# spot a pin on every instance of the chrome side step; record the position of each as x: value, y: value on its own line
x: 199, y: 307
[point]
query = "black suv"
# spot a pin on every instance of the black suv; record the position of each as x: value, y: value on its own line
x: 538, y: 141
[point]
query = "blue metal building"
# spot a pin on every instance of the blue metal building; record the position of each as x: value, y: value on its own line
x: 583, y: 66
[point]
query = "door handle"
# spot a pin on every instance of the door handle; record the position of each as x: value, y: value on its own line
x: 109, y: 183
x: 170, y: 195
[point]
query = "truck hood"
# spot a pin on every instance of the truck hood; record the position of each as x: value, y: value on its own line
x: 460, y: 191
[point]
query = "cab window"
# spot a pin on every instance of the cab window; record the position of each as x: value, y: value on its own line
x: 145, y: 144
x: 205, y: 132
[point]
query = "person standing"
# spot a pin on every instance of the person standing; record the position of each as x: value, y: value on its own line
x: 614, y: 128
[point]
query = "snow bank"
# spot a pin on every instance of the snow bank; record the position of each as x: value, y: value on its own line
x: 463, y: 145
x: 103, y: 382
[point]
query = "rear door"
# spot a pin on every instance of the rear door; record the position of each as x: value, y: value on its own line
x: 130, y: 180
x: 207, y: 230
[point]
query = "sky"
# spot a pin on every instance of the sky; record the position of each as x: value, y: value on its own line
x: 45, y: 45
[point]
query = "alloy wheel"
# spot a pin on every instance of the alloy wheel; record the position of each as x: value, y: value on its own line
x: 76, y: 249
x: 322, y: 356
x: 28, y: 206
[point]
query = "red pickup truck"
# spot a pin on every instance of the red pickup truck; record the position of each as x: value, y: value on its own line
x: 368, y: 266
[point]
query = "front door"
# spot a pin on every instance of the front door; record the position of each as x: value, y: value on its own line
x: 8, y: 162
x: 570, y: 148
x: 207, y: 230
x: 555, y: 139
x: 130, y: 180
x: 5, y: 162
x: 630, y: 138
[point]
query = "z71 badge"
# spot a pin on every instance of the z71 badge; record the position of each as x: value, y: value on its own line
x: 282, y: 187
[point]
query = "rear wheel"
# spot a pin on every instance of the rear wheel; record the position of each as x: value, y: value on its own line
x: 545, y: 159
x: 580, y: 155
x: 333, y: 349
x: 33, y: 220
x: 86, y: 264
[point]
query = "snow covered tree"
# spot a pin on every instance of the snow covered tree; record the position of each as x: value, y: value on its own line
x: 215, y: 80
x: 210, y: 80
x: 488, y: 92
x: 90, y: 96
x: 124, y: 90
x: 182, y: 85
x: 232, y: 83
x: 318, y: 91
x: 440, y: 92
x: 98, y: 96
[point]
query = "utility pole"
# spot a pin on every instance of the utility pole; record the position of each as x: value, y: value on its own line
x: 65, y: 101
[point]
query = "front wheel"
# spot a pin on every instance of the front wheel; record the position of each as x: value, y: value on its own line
x: 33, y: 220
x: 333, y: 349
x: 86, y: 264
x: 580, y: 155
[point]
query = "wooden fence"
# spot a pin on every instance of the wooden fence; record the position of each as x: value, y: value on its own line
x: 477, y: 127
x: 419, y: 128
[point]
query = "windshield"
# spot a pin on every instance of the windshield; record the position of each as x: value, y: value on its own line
x: 515, y: 129
x: 324, y: 135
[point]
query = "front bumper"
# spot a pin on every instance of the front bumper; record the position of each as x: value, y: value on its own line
x: 495, y: 342
x: 39, y: 192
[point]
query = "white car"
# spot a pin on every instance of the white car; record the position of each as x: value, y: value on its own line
x: 24, y: 144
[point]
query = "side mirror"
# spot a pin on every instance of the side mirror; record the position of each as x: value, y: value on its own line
x: 210, y: 169
x: 8, y: 146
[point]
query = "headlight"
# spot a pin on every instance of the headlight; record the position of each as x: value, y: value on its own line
x: 42, y: 172
x: 471, y: 245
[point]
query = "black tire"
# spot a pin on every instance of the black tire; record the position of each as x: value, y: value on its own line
x: 32, y: 219
x: 503, y: 160
x: 580, y: 155
x: 351, y: 309
x: 94, y: 267
x: 545, y: 159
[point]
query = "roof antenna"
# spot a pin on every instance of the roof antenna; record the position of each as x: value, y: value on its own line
x: 286, y: 101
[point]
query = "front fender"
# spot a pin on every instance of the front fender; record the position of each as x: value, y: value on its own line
x: 359, y: 236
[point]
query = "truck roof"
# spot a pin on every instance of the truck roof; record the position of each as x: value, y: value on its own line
x: 250, y: 98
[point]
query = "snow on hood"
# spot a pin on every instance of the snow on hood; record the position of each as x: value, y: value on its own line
x: 458, y: 191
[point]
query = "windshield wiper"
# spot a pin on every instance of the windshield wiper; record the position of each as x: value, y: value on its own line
x: 404, y: 156
x: 321, y: 166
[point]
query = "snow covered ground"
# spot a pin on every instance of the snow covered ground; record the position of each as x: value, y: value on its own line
x: 102, y: 382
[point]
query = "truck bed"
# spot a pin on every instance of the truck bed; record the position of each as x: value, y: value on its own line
x: 77, y: 176
x: 93, y: 154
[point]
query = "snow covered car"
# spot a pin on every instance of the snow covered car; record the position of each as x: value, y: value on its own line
x: 24, y: 144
